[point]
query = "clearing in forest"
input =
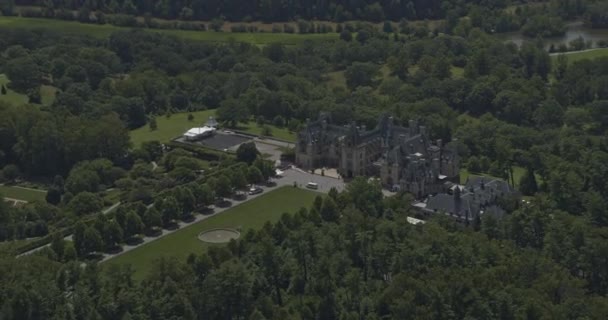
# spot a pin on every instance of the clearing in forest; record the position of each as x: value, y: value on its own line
x: 178, y: 123
x: 23, y: 194
x: 47, y: 93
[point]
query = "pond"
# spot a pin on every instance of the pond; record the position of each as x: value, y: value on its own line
x: 575, y: 30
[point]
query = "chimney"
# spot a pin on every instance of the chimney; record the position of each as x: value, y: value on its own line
x: 423, y: 130
x: 439, y: 143
x: 363, y: 128
x: 412, y: 127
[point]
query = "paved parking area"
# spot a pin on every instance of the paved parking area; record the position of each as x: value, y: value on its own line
x: 269, y: 149
x: 301, y: 178
x: 219, y: 141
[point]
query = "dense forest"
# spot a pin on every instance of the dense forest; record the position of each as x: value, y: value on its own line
x: 350, y: 255
x: 532, y: 18
x: 269, y: 10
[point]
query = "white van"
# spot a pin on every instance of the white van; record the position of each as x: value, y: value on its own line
x: 312, y: 185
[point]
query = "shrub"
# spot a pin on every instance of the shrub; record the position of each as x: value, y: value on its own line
x: 278, y: 121
x: 216, y: 24
x: 122, y: 20
x: 346, y: 35
x: 189, y: 26
x: 266, y: 131
x: 64, y: 15
x: 304, y: 27
x: 31, y: 13
x: 11, y: 172
x: 288, y: 28
x: 238, y: 28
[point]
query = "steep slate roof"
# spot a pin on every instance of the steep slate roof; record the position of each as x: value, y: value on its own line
x: 479, y: 194
x: 314, y: 132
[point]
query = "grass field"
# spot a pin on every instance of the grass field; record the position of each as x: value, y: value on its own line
x: 11, y: 96
x: 249, y: 215
x: 588, y: 54
x: 104, y: 31
x: 279, y: 133
x: 177, y: 124
x: 47, y: 94
x: 169, y: 128
x: 22, y: 194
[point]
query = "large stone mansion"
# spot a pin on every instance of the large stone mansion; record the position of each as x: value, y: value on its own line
x: 402, y: 157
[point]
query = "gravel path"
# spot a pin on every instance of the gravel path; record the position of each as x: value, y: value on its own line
x: 68, y: 237
x: 573, y: 52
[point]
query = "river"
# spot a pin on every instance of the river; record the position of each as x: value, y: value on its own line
x: 574, y: 30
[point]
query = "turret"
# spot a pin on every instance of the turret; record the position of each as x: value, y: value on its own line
x: 412, y: 126
x: 457, y: 200
x: 422, y: 131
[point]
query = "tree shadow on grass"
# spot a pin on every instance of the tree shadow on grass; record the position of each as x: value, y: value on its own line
x: 206, y: 211
x: 114, y: 250
x: 135, y: 240
x: 223, y: 203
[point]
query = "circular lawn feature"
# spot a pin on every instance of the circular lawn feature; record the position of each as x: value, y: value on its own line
x: 220, y: 235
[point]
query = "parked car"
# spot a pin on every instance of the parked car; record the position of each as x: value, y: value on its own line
x: 312, y: 185
x: 255, y: 190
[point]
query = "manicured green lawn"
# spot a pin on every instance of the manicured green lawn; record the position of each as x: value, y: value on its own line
x: 336, y: 79
x: 249, y: 215
x: 47, y: 93
x: 22, y: 194
x: 591, y: 54
x: 457, y: 72
x: 276, y: 132
x: 169, y: 128
x: 104, y: 31
x: 178, y: 123
x: 11, y: 96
